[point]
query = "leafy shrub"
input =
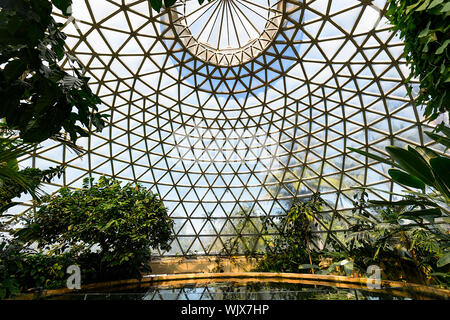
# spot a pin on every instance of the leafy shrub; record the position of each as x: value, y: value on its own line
x: 290, y: 250
x: 244, y: 229
x: 108, y: 228
x: 424, y: 26
x: 38, y: 97
x: 33, y: 177
x: 428, y: 172
x: 21, y: 270
x: 403, y: 245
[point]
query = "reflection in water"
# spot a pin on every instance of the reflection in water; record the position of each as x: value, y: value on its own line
x: 239, y: 291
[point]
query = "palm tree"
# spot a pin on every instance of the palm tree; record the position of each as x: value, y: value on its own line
x: 10, y: 150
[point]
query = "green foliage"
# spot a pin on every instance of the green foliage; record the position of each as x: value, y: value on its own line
x: 34, y: 178
x: 10, y: 176
x: 244, y: 231
x: 422, y: 240
x: 37, y: 97
x: 9, y: 266
x: 290, y: 250
x: 107, y: 226
x: 14, y: 182
x: 386, y: 234
x: 21, y: 270
x: 424, y: 26
x: 423, y: 169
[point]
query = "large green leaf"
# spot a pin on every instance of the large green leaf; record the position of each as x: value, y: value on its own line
x: 374, y: 157
x: 406, y: 179
x: 439, y: 139
x: 428, y: 214
x: 156, y: 5
x: 426, y: 153
x: 444, y: 260
x: 445, y: 130
x: 63, y: 5
x: 407, y: 202
x: 169, y: 3
x: 412, y: 162
x: 441, y: 169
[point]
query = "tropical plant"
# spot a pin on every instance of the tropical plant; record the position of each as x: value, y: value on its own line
x: 242, y: 234
x: 428, y: 172
x: 424, y: 26
x: 37, y: 96
x: 14, y: 182
x: 404, y: 247
x: 423, y: 169
x: 33, y: 176
x: 23, y: 270
x: 292, y: 249
x: 109, y: 228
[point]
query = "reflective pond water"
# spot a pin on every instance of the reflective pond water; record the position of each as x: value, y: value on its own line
x: 238, y: 290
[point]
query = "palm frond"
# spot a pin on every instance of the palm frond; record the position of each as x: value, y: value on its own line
x: 10, y: 150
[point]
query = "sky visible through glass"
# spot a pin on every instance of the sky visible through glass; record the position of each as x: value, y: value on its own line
x: 215, y: 135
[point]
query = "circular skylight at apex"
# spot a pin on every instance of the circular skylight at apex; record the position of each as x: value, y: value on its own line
x: 227, y: 32
x: 216, y: 128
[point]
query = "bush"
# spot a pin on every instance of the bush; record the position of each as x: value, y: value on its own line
x: 385, y: 236
x: 424, y: 26
x: 38, y: 98
x: 109, y: 229
x: 290, y: 250
x: 21, y: 270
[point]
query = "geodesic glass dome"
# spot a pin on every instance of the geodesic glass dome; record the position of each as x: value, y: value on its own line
x: 240, y: 106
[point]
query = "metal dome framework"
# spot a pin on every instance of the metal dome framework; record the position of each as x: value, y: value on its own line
x: 247, y: 129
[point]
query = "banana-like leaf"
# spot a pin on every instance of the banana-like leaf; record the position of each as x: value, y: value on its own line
x: 441, y: 169
x: 426, y: 153
x: 412, y: 162
x: 374, y: 157
x: 409, y: 202
x: 444, y: 260
x: 428, y: 214
x: 439, y: 139
x: 446, y: 131
x: 406, y: 179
